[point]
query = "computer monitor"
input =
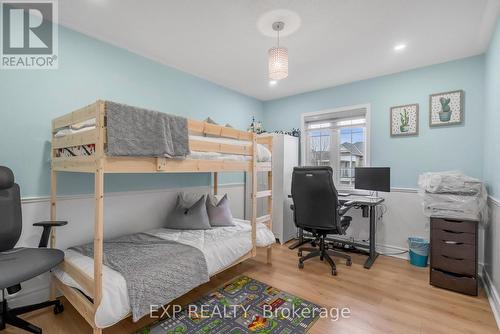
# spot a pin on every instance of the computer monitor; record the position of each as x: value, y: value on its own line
x: 373, y: 178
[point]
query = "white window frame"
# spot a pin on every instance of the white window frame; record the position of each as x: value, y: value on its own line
x: 303, y: 139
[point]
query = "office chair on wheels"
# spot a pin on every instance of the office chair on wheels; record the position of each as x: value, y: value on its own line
x: 21, y: 264
x: 317, y: 210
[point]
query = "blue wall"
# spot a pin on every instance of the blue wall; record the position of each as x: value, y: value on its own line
x: 91, y: 70
x: 492, y: 116
x: 435, y: 149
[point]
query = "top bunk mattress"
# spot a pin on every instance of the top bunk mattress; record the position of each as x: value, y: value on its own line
x: 263, y: 153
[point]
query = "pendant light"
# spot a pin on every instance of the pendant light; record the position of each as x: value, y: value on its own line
x: 278, y: 57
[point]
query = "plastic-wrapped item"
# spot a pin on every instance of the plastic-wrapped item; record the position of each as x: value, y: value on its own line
x: 454, y: 182
x: 455, y: 206
x: 453, y: 195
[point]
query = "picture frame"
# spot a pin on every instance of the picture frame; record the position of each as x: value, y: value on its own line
x: 404, y: 120
x: 446, y: 108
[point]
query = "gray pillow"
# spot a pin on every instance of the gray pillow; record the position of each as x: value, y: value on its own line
x: 185, y: 217
x: 188, y: 199
x: 219, y: 212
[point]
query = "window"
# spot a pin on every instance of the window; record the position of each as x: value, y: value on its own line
x: 337, y: 139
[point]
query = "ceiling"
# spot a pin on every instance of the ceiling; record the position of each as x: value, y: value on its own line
x: 338, y: 41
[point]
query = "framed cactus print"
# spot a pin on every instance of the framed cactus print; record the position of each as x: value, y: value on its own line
x: 404, y: 120
x: 446, y: 108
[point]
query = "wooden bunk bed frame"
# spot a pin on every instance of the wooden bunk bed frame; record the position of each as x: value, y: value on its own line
x: 100, y: 164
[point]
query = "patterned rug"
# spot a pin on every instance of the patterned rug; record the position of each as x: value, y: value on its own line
x: 243, y: 305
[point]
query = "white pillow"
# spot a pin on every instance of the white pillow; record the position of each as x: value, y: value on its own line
x: 84, y: 124
x: 263, y: 153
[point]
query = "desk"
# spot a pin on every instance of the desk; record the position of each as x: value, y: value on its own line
x: 364, y: 202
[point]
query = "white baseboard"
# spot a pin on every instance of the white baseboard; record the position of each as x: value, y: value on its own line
x: 489, y: 286
x: 393, y: 251
x: 493, y: 296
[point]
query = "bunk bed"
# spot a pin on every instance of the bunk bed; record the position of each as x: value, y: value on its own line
x: 234, y: 150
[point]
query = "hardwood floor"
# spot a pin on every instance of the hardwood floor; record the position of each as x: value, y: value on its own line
x: 392, y: 297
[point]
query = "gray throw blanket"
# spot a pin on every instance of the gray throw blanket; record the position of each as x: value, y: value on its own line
x: 156, y: 270
x: 141, y: 132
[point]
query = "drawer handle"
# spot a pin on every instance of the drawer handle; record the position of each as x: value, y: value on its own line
x: 449, y: 242
x: 454, y: 232
x: 452, y: 258
x: 453, y: 221
x: 449, y: 274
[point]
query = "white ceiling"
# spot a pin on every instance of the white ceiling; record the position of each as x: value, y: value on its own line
x: 339, y: 41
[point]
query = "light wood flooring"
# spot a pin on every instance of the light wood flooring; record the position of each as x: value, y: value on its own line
x: 392, y: 297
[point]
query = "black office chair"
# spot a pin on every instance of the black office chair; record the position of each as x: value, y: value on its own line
x: 21, y: 264
x: 317, y: 210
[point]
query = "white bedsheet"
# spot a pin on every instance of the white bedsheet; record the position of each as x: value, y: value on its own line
x: 221, y: 247
x: 198, y: 155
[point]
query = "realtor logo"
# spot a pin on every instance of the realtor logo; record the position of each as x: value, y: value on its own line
x: 29, y: 34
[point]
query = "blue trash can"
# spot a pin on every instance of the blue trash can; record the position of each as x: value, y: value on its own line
x: 419, y: 251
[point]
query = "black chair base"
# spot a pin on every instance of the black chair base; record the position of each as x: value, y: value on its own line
x: 324, y: 254
x: 11, y: 316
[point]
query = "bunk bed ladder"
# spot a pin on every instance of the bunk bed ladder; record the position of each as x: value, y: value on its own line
x: 270, y: 201
x: 266, y: 219
x: 254, y: 194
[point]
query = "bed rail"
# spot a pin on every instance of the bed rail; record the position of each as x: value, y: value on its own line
x: 113, y: 164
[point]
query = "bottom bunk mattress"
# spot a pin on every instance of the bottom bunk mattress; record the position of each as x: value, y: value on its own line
x: 221, y: 247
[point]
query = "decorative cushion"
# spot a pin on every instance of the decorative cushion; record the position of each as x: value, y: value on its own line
x: 189, y: 217
x: 219, y: 212
x: 189, y: 198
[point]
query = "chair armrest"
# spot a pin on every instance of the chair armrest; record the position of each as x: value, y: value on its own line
x: 51, y: 223
x: 47, y: 228
x: 345, y: 207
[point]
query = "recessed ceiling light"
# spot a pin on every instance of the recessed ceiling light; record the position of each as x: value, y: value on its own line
x: 400, y: 47
x: 273, y: 82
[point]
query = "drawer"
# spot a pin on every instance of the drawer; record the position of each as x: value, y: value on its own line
x: 463, y: 284
x: 446, y: 235
x: 453, y: 249
x: 453, y: 225
x: 453, y: 264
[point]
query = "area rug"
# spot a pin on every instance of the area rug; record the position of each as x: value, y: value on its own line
x: 243, y: 305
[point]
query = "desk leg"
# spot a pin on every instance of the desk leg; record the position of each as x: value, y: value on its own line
x: 373, y: 228
x: 301, y: 240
